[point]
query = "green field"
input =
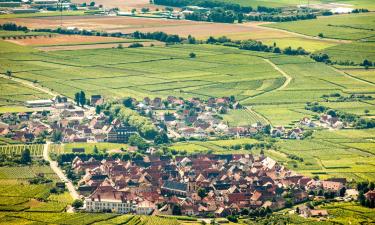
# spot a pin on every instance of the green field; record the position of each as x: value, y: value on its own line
x: 343, y: 153
x: 89, y: 147
x: 217, y: 147
x: 242, y: 117
x: 13, y: 96
x: 355, y: 52
x: 348, y: 27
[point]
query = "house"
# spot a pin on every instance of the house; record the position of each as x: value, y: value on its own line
x: 307, y: 122
x: 107, y: 199
x: 370, y: 196
x: 96, y: 100
x: 145, y: 208
x: 278, y: 131
x: 295, y: 133
x: 332, y: 186
x: 120, y: 134
x: 174, y: 188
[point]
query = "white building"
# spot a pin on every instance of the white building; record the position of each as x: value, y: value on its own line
x: 107, y: 199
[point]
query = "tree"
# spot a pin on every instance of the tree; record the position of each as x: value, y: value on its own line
x: 202, y: 193
x: 161, y: 138
x: 82, y: 98
x: 367, y: 111
x: 97, y: 109
x: 136, y: 140
x: 145, y: 10
x: 9, y: 73
x: 128, y: 102
x: 134, y: 10
x: 25, y: 156
x: 95, y: 150
x: 92, y: 4
x: 76, y: 98
x: 56, y: 136
x: 78, y: 203
x: 232, y: 218
x: 321, y: 35
x: 192, y: 55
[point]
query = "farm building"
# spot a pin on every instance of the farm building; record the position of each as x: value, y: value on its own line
x: 39, y: 103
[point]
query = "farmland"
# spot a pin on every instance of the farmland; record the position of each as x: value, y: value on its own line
x: 347, y: 27
x: 344, y: 153
x: 215, y: 72
x: 13, y: 96
x: 35, y: 150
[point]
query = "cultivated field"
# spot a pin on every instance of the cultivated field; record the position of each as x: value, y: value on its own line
x: 66, y: 40
x: 344, y: 153
x: 35, y: 150
x: 348, y: 27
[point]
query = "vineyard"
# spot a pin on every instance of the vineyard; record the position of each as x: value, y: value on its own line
x: 35, y: 149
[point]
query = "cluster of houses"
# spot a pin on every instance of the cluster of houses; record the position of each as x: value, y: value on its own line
x: 200, y: 185
x: 73, y: 123
x: 24, y: 127
x: 332, y: 122
x: 195, y: 118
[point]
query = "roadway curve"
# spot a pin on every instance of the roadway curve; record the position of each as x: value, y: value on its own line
x: 54, y: 166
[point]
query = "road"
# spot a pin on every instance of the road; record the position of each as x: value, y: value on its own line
x: 54, y: 166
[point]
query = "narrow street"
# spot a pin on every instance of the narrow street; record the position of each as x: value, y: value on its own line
x: 54, y: 166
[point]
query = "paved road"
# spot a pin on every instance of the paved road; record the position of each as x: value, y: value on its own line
x: 54, y: 166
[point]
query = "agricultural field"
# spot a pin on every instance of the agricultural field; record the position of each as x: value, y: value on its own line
x: 242, y: 117
x: 13, y: 96
x: 35, y: 149
x: 343, y: 153
x: 170, y: 72
x: 355, y: 52
x: 362, y: 74
x: 346, y: 27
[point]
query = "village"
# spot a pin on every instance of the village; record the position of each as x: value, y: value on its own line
x: 191, y: 119
x: 201, y: 185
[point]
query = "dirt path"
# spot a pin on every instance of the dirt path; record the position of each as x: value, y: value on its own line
x: 288, y: 78
x: 54, y: 166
